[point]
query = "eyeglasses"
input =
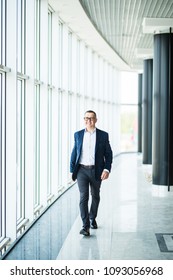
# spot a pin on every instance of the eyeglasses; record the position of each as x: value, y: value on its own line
x: 89, y: 119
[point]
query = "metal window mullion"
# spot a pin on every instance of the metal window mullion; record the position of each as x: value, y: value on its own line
x: 4, y: 69
x: 22, y: 224
x: 22, y: 76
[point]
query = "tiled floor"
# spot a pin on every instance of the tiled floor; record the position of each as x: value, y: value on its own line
x: 135, y: 221
x: 45, y: 238
x: 132, y: 211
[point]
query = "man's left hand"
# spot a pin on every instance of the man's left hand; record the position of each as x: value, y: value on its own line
x: 105, y: 175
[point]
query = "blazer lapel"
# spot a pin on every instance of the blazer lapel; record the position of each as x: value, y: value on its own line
x: 80, y: 139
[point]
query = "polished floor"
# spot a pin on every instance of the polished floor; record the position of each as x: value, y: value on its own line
x: 135, y: 221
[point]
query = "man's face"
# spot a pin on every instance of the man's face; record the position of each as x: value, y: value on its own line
x: 90, y: 120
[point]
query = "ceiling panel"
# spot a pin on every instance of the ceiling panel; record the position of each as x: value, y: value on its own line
x: 120, y: 24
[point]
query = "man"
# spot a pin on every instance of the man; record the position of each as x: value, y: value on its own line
x: 90, y: 163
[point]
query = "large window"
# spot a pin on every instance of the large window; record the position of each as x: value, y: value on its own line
x: 20, y: 109
x: 37, y: 147
x: 44, y: 91
x: 129, y: 112
x: 2, y: 32
x: 2, y: 156
x: 20, y: 153
x: 2, y: 115
x: 71, y: 90
x: 37, y: 107
x: 37, y: 38
x: 60, y: 92
x: 129, y: 115
x: 21, y: 33
x: 49, y: 108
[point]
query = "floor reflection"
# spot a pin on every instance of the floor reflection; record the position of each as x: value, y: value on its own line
x: 89, y: 250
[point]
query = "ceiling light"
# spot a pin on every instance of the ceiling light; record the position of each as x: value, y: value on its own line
x: 144, y: 53
x: 157, y: 25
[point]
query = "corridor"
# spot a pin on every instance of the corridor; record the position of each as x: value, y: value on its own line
x: 135, y: 221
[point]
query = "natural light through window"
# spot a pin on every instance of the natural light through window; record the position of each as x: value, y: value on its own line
x: 129, y: 111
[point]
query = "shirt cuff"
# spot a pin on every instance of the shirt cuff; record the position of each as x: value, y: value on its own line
x: 106, y: 170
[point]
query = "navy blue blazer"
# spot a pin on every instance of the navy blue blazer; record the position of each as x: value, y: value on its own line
x: 103, y: 153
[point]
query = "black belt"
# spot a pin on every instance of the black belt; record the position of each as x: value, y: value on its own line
x: 87, y: 166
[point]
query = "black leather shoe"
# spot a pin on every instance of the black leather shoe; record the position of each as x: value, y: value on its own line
x: 93, y: 224
x: 85, y: 232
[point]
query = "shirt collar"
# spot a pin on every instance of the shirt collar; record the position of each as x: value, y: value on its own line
x: 92, y: 131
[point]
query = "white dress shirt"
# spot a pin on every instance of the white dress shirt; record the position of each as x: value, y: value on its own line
x: 88, y: 148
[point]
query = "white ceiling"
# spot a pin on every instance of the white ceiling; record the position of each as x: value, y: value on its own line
x: 126, y: 25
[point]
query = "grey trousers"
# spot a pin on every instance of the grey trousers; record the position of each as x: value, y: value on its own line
x: 86, y: 179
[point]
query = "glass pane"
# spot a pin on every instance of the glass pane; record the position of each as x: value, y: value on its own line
x: 19, y: 150
x: 129, y: 119
x: 49, y: 107
x: 1, y: 19
x: 49, y: 47
x: 37, y: 105
x: 77, y: 66
x: 70, y: 61
x: 19, y: 45
x: 129, y: 88
x: 60, y: 55
x: 21, y: 34
x: 49, y: 146
x: 1, y: 156
x: 2, y: 31
x: 37, y: 39
x: 60, y: 124
x: 37, y: 147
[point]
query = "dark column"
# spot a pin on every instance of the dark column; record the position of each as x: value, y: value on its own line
x: 163, y: 110
x: 139, y: 113
x: 147, y: 111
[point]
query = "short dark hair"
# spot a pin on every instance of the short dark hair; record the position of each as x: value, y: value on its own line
x: 90, y: 111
